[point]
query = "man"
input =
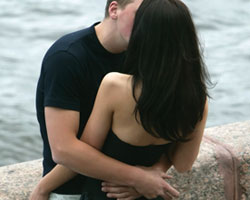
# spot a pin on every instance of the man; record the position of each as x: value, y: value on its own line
x: 71, y: 72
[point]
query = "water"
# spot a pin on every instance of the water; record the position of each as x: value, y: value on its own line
x: 28, y: 28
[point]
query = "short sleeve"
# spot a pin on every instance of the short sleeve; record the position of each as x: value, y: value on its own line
x: 61, y: 81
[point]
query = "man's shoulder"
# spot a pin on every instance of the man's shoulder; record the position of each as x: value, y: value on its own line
x: 72, y: 43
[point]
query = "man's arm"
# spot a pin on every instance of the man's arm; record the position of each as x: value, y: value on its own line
x: 67, y: 150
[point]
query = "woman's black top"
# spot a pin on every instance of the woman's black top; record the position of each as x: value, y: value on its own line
x: 124, y: 152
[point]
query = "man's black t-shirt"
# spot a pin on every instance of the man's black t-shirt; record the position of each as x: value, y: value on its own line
x: 71, y: 73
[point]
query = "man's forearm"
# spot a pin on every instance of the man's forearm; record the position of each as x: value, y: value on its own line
x: 86, y: 160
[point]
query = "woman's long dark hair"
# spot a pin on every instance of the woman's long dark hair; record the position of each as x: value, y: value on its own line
x: 164, y: 56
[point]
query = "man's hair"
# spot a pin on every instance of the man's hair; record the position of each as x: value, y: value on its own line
x: 121, y: 3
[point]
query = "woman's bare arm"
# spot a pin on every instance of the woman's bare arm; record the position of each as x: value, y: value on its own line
x: 185, y: 153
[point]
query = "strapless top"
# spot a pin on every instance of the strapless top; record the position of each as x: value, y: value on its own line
x: 133, y: 155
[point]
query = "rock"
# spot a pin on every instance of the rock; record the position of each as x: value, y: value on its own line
x: 18, y: 180
x: 221, y: 171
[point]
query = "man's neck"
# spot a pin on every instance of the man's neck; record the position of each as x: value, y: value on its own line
x: 109, y: 37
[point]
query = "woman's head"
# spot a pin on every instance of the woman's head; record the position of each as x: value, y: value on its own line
x: 164, y: 29
x: 164, y: 55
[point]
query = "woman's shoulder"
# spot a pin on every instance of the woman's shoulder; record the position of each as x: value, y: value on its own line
x: 116, y: 87
x: 116, y: 76
x: 116, y: 80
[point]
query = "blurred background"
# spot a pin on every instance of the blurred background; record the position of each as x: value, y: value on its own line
x: 28, y: 28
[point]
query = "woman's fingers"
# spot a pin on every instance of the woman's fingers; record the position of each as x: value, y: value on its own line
x: 119, y: 192
x: 169, y: 190
x: 165, y: 176
x: 108, y: 184
x: 111, y: 189
x: 167, y: 197
x: 117, y: 195
x: 125, y: 195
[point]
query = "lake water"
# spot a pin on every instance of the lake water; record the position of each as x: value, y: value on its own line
x: 28, y: 28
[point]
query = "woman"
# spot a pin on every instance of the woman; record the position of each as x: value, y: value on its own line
x: 161, y: 99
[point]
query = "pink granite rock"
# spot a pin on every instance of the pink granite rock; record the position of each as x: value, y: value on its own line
x: 18, y: 180
x: 222, y: 169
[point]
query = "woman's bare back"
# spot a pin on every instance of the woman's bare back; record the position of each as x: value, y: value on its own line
x: 124, y: 123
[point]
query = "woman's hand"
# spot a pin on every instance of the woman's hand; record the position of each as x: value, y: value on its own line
x: 120, y: 192
x: 157, y: 171
x: 39, y: 194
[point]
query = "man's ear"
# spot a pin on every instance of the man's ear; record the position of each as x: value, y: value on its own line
x: 113, y: 7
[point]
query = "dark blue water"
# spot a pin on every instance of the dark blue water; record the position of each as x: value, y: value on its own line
x: 28, y: 28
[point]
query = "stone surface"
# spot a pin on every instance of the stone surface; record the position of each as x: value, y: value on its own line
x: 221, y: 171
x: 18, y: 180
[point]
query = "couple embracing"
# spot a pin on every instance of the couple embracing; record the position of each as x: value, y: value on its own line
x: 120, y: 102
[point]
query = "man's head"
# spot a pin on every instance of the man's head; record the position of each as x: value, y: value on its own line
x: 121, y: 3
x: 122, y: 13
x: 114, y: 31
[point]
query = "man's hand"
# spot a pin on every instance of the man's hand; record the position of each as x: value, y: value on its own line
x: 152, y: 186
